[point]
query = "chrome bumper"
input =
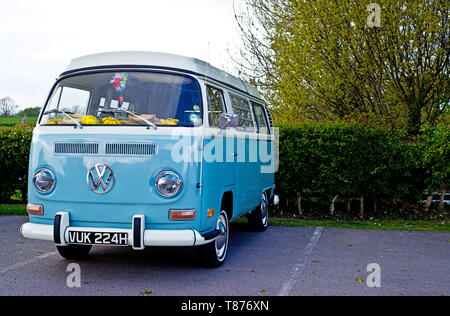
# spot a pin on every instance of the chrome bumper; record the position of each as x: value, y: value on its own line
x: 138, y: 237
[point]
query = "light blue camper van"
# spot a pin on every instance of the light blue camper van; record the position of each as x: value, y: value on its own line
x: 148, y: 149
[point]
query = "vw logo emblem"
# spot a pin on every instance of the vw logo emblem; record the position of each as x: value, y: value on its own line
x: 101, y: 179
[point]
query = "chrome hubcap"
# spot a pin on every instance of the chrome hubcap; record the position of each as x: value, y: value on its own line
x: 222, y: 239
x: 264, y: 210
x: 222, y: 229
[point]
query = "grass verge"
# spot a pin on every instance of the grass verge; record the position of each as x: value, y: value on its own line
x: 13, y: 209
x: 12, y: 120
x: 443, y: 226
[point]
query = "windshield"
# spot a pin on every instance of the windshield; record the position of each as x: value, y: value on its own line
x: 125, y: 98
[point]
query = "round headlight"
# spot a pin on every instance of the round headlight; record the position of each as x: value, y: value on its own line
x: 168, y: 184
x: 44, y: 181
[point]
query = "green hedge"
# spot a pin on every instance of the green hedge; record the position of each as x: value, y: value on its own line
x: 392, y: 171
x: 386, y: 167
x: 14, y: 153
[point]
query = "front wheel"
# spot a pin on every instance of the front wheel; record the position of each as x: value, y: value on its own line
x: 74, y: 252
x: 213, y: 254
x: 259, y: 218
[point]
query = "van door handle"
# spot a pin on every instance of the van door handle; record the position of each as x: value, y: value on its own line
x: 235, y: 155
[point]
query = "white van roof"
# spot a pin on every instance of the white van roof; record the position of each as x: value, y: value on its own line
x: 161, y: 61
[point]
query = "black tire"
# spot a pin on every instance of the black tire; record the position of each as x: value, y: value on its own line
x: 259, y: 218
x: 74, y: 252
x: 213, y: 255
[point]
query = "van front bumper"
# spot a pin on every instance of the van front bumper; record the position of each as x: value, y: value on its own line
x: 138, y: 236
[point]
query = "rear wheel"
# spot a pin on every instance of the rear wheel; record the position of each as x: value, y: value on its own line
x: 214, y: 254
x: 259, y: 218
x: 74, y: 252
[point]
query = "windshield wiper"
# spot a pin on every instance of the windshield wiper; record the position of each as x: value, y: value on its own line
x: 113, y: 111
x: 67, y: 114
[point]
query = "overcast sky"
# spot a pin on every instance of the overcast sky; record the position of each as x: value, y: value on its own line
x: 39, y: 38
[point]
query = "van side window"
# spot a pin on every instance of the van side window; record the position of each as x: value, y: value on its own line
x: 216, y: 105
x: 269, y: 120
x: 241, y: 107
x: 261, y: 118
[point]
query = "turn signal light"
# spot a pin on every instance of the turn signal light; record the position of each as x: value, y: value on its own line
x: 35, y: 209
x: 188, y: 215
x: 211, y: 212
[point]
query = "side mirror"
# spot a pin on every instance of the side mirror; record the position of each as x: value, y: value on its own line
x: 228, y: 120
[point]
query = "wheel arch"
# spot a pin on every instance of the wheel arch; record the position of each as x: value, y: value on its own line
x: 227, y: 204
x: 269, y: 192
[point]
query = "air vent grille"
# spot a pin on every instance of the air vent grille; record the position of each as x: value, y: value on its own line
x: 76, y: 148
x: 131, y: 149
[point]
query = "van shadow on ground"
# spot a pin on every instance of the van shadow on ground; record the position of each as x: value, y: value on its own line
x: 171, y: 257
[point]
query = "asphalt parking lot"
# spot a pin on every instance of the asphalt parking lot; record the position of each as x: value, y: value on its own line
x: 280, y: 261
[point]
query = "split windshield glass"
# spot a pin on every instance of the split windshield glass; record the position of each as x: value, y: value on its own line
x: 125, y: 98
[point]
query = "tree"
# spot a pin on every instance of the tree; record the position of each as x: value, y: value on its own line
x: 256, y: 59
x: 7, y: 107
x: 317, y: 60
x: 30, y: 112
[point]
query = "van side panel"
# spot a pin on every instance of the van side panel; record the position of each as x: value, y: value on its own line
x: 247, y: 173
x: 219, y: 175
x: 266, y: 165
x: 236, y: 162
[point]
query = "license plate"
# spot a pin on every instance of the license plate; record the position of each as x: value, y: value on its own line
x: 93, y: 238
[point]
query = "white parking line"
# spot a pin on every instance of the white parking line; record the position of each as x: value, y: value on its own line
x: 298, y: 268
x: 24, y: 263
